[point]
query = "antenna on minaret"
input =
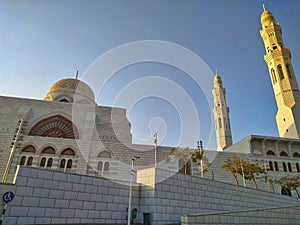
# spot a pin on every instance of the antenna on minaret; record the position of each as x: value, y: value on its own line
x: 263, y: 5
x: 76, y: 76
x: 217, y: 72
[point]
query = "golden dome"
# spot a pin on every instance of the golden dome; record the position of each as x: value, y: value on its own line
x: 217, y: 79
x: 267, y: 18
x: 72, y: 85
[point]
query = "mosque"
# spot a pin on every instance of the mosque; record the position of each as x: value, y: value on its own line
x: 51, y: 135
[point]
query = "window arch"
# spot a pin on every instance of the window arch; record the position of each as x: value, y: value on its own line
x: 64, y: 100
x: 280, y: 72
x: 284, y: 166
x: 296, y: 155
x: 68, y: 152
x: 29, y: 161
x: 104, y: 154
x: 49, y: 163
x: 69, y: 164
x: 43, y: 162
x: 48, y: 150
x: 56, y: 127
x: 62, y: 163
x: 29, y: 148
x: 270, y: 152
x: 284, y: 154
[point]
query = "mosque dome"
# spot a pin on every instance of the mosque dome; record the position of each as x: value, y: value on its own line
x: 64, y: 91
x: 267, y: 18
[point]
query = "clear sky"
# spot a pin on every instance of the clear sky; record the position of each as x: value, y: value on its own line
x: 45, y: 41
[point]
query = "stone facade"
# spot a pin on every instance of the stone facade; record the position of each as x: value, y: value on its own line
x: 53, y: 197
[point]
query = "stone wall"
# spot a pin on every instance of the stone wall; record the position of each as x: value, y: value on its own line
x: 278, y: 215
x: 48, y: 197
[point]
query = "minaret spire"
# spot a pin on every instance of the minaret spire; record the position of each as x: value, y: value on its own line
x: 263, y: 5
x: 286, y: 91
x: 76, y: 76
x: 221, y: 115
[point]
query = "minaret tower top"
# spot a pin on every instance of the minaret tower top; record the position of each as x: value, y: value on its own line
x: 278, y: 61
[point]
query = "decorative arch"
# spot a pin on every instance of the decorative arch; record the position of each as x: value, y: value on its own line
x: 283, y: 153
x: 68, y: 152
x: 270, y: 152
x: 104, y: 154
x: 48, y: 150
x: 55, y: 126
x: 296, y: 155
x: 29, y: 148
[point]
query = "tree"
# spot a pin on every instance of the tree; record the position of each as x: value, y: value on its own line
x: 179, y: 153
x: 290, y: 183
x: 232, y: 165
x: 199, y: 158
x: 250, y: 170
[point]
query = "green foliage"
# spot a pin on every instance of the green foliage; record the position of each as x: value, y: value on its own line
x: 179, y: 153
x: 288, y: 182
x: 232, y: 165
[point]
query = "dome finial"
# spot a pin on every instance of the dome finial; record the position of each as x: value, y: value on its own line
x: 76, y: 76
x: 263, y: 5
x: 217, y: 72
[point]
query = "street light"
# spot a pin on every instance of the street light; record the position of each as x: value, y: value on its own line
x: 130, y: 188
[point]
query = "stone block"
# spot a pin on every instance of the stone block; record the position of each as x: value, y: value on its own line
x: 60, y: 203
x: 106, y: 214
x: 50, y: 184
x: 36, y: 212
x: 80, y: 213
x: 24, y: 191
x: 86, y: 180
x: 58, y: 220
x: 73, y: 178
x: 45, y: 174
x: 74, y: 204
x: 18, y: 211
x: 52, y: 212
x: 78, y: 187
x: 91, y: 189
x: 73, y: 221
x: 60, y: 176
x: 47, y: 203
x: 65, y: 186
x: 92, y: 214
x: 89, y: 205
x: 30, y: 201
x: 70, y: 195
x: 68, y: 213
x: 25, y: 220
x: 41, y: 192
x: 84, y: 196
x: 57, y: 194
x: 42, y: 220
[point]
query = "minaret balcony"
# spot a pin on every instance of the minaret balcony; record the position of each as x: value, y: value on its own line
x: 277, y: 53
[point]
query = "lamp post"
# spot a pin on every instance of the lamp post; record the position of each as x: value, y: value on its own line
x: 200, y: 149
x: 155, y: 148
x: 130, y: 189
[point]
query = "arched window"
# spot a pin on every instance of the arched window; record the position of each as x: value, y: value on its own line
x: 106, y: 166
x: 29, y: 161
x: 284, y: 166
x: 69, y: 164
x: 43, y: 162
x: 49, y: 163
x: 273, y: 76
x: 64, y: 100
x: 296, y: 155
x: 23, y: 160
x: 68, y: 151
x: 276, y: 166
x: 270, y: 152
x: 100, y: 165
x: 283, y: 153
x: 280, y: 72
x: 271, y: 165
x: 29, y: 148
x: 104, y: 154
x: 48, y: 150
x: 297, y: 167
x: 55, y: 126
x: 290, y: 167
x: 62, y: 163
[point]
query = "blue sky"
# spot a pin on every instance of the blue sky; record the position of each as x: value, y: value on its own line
x: 44, y: 41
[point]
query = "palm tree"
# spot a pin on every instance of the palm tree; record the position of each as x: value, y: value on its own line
x: 179, y: 153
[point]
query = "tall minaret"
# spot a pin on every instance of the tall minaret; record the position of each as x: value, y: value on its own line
x: 221, y: 115
x: 278, y: 60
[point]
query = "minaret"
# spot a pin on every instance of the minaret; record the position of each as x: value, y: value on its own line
x: 278, y: 60
x: 221, y: 115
